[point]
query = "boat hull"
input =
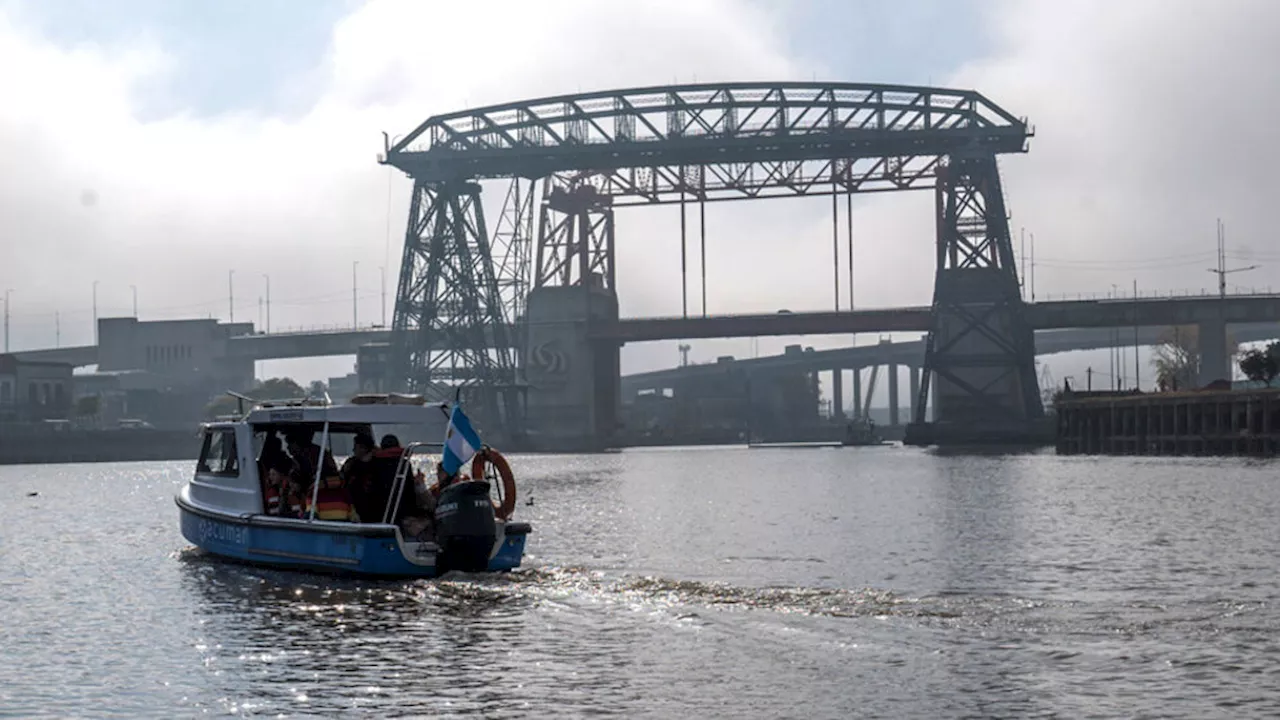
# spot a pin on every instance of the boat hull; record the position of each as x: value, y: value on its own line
x: 344, y: 548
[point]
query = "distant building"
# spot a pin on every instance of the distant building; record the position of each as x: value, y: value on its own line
x: 342, y: 389
x: 373, y: 362
x: 188, y: 354
x: 728, y: 402
x: 34, y: 391
x: 164, y: 372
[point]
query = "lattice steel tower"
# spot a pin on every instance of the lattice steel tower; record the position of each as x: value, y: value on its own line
x: 980, y: 349
x: 458, y: 298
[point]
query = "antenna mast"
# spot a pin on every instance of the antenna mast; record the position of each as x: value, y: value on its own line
x: 1221, y: 271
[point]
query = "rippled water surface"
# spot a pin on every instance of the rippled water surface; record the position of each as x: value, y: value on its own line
x: 858, y: 582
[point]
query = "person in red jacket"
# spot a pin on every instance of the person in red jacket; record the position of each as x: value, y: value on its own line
x: 333, y: 502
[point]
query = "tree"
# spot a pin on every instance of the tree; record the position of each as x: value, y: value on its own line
x: 1273, y: 351
x: 273, y: 389
x: 1262, y: 365
x: 1176, y: 357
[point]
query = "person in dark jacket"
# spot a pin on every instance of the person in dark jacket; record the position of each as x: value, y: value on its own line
x: 360, y: 476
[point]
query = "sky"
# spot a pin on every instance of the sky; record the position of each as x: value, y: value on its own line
x: 185, y: 149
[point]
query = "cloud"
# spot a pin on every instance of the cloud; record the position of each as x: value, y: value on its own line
x: 92, y: 191
x: 1152, y: 119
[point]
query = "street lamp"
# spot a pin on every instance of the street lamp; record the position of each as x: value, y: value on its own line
x: 134, y: 288
x: 355, y: 315
x: 231, y: 297
x: 382, y: 272
x: 95, y: 312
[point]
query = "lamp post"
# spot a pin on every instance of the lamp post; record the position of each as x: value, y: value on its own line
x: 7, y: 293
x: 134, y: 288
x: 95, y: 312
x: 355, y: 314
x: 231, y: 297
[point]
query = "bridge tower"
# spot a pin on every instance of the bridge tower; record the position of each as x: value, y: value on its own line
x: 574, y: 383
x: 980, y: 350
x: 451, y: 329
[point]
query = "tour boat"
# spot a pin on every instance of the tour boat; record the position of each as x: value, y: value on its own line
x: 224, y: 509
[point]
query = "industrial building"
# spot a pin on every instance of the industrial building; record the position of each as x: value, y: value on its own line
x: 164, y: 372
x: 34, y: 391
x: 727, y: 404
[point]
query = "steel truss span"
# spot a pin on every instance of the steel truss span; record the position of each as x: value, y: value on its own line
x: 591, y: 153
x: 716, y: 142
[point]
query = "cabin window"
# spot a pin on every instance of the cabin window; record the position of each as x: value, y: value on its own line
x: 219, y: 453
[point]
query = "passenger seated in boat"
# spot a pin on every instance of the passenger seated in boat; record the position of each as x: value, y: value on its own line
x: 444, y: 480
x: 422, y: 523
x: 274, y: 467
x: 306, y: 455
x: 360, y: 475
x: 296, y: 498
x: 409, y: 515
x: 333, y: 502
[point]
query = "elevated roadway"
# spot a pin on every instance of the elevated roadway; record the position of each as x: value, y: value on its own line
x: 911, y: 354
x: 1150, y: 313
x: 1143, y: 312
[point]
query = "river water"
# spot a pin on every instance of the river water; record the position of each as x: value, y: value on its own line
x: 854, y: 582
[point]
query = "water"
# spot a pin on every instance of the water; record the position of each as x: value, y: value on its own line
x: 869, y: 582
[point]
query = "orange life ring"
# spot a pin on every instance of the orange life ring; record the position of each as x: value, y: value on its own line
x: 500, y: 464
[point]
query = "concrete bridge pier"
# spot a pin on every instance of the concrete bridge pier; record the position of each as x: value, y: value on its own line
x: 894, y: 419
x: 1214, y: 363
x: 574, y: 382
x: 857, y: 391
x: 914, y: 379
x: 837, y: 392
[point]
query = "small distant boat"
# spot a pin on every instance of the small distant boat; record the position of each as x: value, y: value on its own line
x: 799, y: 445
x: 224, y: 510
x: 861, y: 432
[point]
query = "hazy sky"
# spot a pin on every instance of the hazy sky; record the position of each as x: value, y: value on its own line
x: 162, y: 143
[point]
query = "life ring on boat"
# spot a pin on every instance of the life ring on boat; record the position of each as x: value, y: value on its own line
x: 503, y: 468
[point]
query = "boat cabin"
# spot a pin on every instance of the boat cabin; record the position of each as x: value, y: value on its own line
x: 229, y: 475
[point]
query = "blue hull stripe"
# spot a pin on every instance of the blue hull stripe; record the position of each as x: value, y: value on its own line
x: 348, y: 548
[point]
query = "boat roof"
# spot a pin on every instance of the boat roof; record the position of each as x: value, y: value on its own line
x: 370, y: 409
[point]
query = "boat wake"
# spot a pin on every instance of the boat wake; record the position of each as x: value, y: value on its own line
x: 474, y: 593
x: 570, y: 585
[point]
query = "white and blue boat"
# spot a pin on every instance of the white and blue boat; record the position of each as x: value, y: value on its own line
x: 224, y: 508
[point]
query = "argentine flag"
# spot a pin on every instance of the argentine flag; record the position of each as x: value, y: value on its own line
x: 460, y: 442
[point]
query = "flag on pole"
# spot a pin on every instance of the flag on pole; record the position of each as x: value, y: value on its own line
x: 460, y: 442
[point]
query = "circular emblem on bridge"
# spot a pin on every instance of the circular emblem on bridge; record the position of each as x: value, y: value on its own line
x: 548, y: 357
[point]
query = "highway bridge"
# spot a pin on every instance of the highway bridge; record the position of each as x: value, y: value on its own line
x: 1149, y: 313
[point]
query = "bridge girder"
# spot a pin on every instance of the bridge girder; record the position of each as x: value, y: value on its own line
x: 716, y: 141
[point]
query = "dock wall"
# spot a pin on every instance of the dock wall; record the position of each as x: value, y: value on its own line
x: 1191, y: 423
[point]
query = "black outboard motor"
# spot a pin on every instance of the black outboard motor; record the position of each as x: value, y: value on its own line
x: 465, y: 527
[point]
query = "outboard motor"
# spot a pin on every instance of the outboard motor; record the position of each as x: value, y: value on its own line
x: 465, y: 527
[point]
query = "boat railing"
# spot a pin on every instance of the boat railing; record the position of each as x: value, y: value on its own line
x: 266, y: 404
x: 402, y: 474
